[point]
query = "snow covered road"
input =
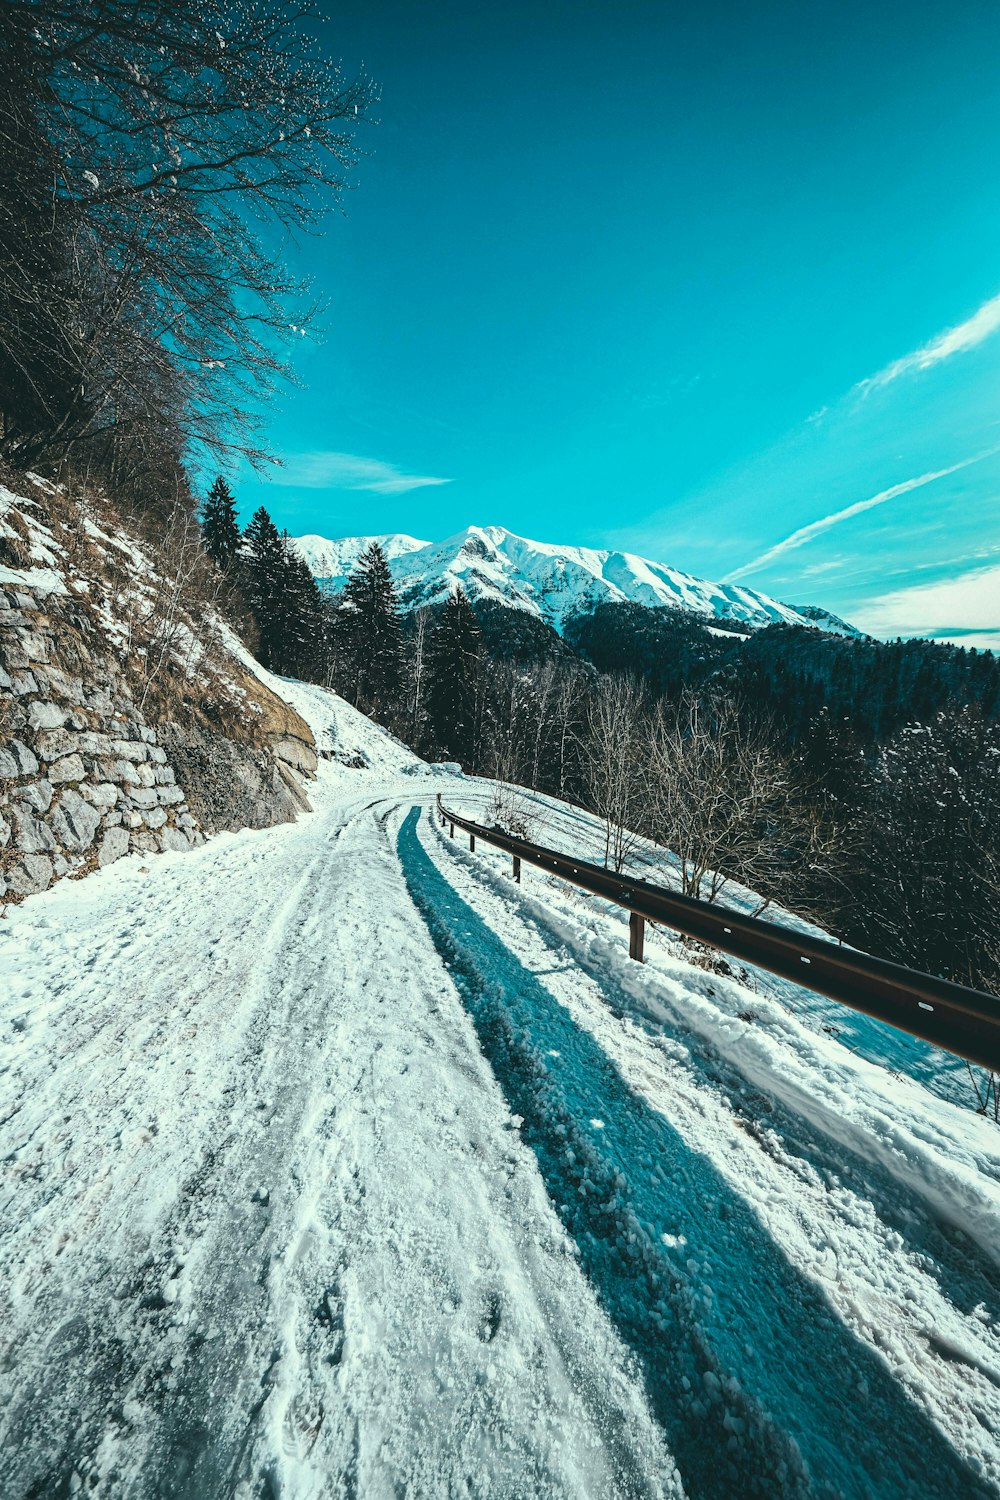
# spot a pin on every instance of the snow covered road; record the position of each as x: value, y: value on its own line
x: 334, y: 1164
x: 268, y: 1225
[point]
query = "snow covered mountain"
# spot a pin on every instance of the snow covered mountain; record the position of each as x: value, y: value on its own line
x: 334, y: 559
x: 814, y: 614
x: 550, y: 581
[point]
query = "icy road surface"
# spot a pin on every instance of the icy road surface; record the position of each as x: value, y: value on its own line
x: 334, y: 1164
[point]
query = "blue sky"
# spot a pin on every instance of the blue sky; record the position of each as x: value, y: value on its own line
x: 697, y: 280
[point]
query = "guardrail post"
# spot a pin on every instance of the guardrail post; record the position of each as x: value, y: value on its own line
x: 472, y: 842
x: 452, y: 834
x: 517, y: 869
x: 636, y: 936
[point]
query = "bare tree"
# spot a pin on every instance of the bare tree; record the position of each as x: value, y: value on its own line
x: 568, y: 727
x: 161, y: 154
x: 544, y: 685
x: 726, y: 802
x: 509, y: 723
x: 422, y: 620
x: 615, y: 765
x: 182, y: 594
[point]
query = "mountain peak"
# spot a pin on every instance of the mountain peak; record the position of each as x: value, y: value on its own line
x: 334, y: 558
x: 549, y: 580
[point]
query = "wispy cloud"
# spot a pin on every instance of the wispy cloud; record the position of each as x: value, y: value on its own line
x: 984, y: 322
x: 814, y: 569
x: 325, y: 470
x: 816, y: 528
x: 964, y: 608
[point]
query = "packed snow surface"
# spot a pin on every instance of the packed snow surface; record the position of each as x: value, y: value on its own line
x: 337, y: 1164
x: 553, y: 582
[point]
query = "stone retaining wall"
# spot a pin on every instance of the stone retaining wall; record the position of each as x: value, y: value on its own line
x: 85, y: 778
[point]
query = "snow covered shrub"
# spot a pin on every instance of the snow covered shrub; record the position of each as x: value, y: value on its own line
x: 508, y: 810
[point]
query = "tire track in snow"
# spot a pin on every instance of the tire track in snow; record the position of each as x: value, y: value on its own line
x: 105, y: 1369
x: 760, y: 1386
x: 915, y: 1288
x: 421, y: 1260
x: 306, y: 1253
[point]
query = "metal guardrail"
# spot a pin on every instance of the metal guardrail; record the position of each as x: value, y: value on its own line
x: 963, y: 1021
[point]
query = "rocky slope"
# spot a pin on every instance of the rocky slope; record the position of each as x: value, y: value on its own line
x: 126, y: 724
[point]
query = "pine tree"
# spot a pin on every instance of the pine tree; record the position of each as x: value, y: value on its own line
x: 220, y: 529
x: 371, y: 634
x: 926, y: 884
x: 303, y: 624
x: 285, y: 600
x: 454, y: 671
x: 262, y: 545
x: 263, y: 569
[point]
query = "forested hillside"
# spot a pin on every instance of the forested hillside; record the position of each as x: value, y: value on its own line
x: 853, y: 780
